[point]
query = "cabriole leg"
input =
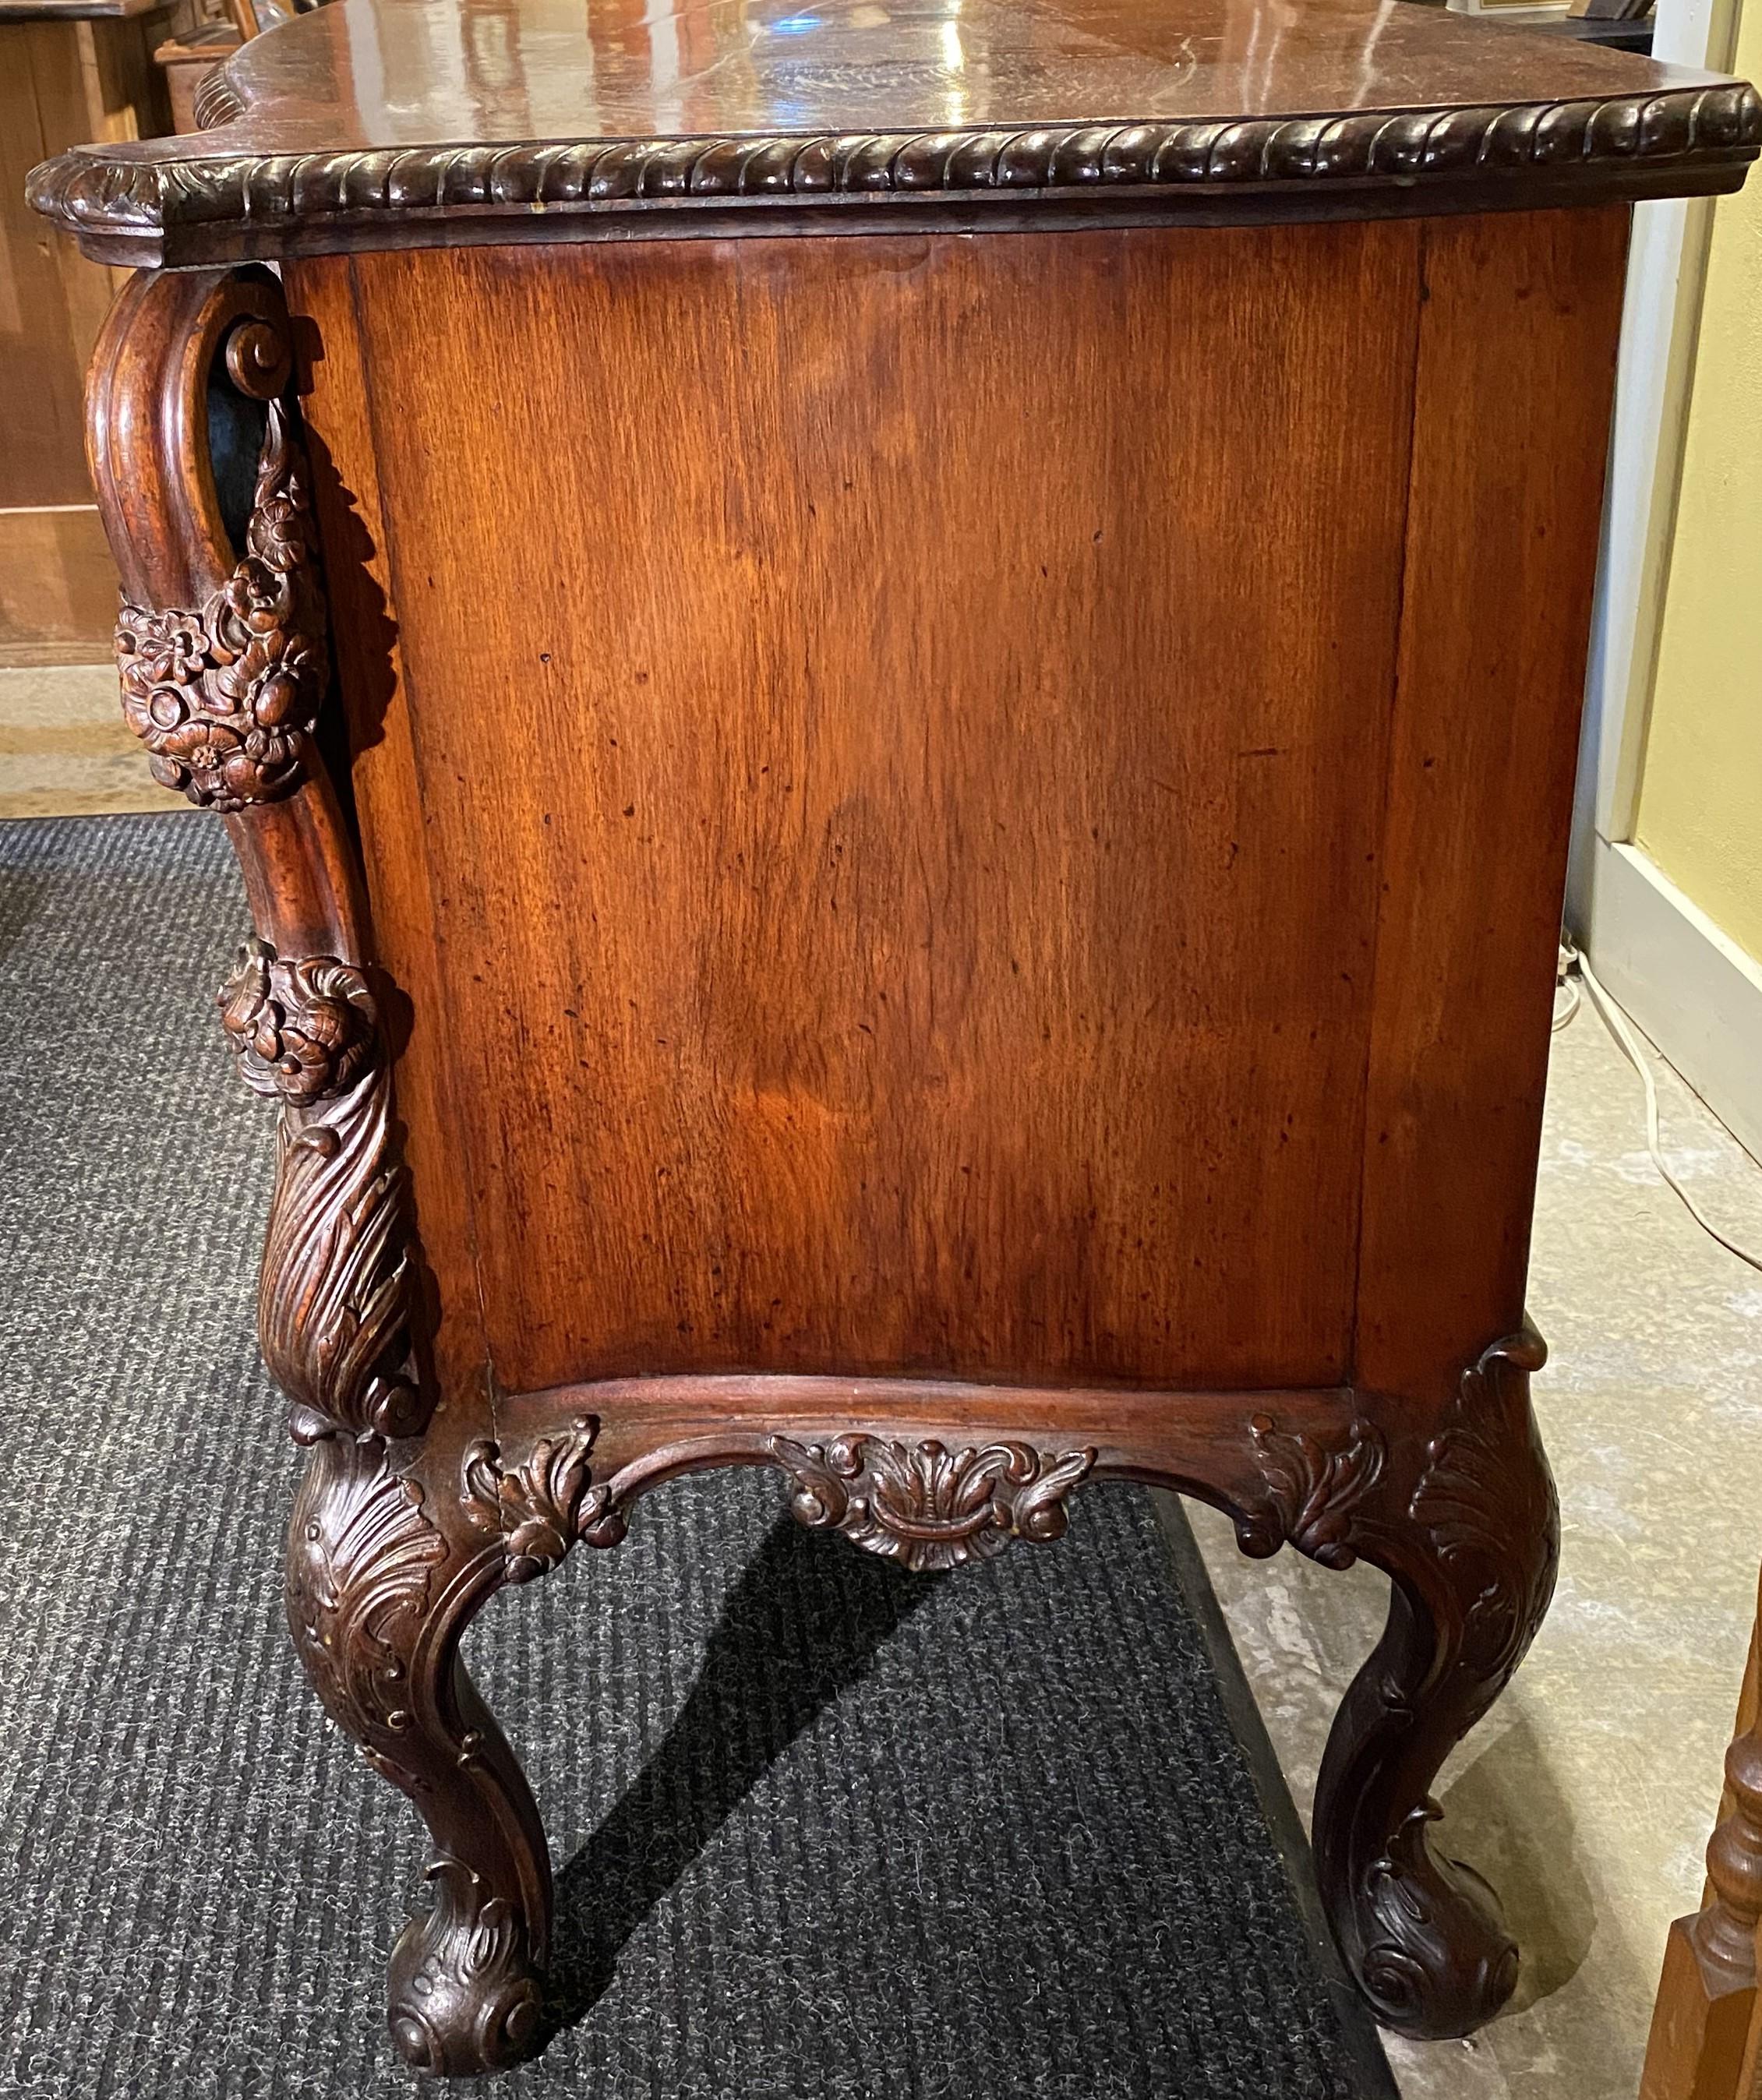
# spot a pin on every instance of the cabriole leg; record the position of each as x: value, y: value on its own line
x: 382, y: 1581
x: 1471, y: 1547
x: 223, y: 656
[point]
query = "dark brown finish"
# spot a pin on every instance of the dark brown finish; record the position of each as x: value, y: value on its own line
x: 1706, y: 2042
x: 927, y: 1506
x: 225, y: 698
x: 76, y: 11
x: 967, y: 835
x: 382, y: 1577
x: 986, y: 114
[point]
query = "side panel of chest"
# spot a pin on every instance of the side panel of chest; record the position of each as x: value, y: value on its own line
x: 872, y: 756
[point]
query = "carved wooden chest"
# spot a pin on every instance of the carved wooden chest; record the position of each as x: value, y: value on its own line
x: 899, y: 697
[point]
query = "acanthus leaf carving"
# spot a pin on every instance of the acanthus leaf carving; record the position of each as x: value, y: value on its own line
x: 1486, y: 1498
x: 225, y: 697
x: 538, y: 1509
x: 1312, y: 1490
x: 464, y: 1997
x: 361, y: 1555
x: 926, y: 1506
x: 334, y: 1299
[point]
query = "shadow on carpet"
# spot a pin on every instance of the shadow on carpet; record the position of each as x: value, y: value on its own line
x: 827, y: 1831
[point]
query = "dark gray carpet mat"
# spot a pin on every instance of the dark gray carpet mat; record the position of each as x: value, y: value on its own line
x: 824, y: 1830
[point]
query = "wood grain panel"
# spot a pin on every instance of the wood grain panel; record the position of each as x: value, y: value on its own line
x: 339, y: 442
x: 58, y: 588
x: 894, y: 717
x: 1515, y: 372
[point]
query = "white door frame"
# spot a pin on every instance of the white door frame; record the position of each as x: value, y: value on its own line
x: 1661, y: 318
x: 1692, y: 991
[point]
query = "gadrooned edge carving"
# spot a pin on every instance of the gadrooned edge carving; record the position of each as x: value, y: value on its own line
x: 225, y: 698
x: 464, y: 1999
x: 540, y: 1509
x: 1311, y: 1491
x: 91, y: 195
x: 361, y: 1555
x: 335, y: 1296
x: 924, y: 1505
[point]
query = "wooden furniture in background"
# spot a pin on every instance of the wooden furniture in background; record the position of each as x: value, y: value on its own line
x: 189, y: 64
x: 1707, y: 2027
x: 70, y: 70
x: 957, y: 831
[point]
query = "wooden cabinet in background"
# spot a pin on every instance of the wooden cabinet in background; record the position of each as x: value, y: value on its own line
x: 68, y: 73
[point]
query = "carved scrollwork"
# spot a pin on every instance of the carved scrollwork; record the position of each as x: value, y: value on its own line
x: 361, y: 1555
x: 333, y: 1304
x: 302, y: 1027
x: 1487, y: 1499
x: 540, y: 1509
x: 927, y: 1506
x: 1415, y: 1899
x: 1471, y: 1551
x: 464, y: 1999
x: 225, y: 698
x: 1311, y: 1491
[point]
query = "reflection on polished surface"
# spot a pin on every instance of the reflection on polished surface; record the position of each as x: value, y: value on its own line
x: 367, y: 73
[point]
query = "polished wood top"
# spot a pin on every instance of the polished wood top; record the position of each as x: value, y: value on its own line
x: 405, y: 122
x: 76, y: 11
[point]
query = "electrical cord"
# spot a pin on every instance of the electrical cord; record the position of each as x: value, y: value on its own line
x: 1572, y: 963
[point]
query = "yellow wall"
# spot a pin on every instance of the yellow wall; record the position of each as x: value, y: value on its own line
x: 1700, y: 813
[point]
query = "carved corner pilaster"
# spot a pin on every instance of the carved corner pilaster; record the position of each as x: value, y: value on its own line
x: 222, y: 658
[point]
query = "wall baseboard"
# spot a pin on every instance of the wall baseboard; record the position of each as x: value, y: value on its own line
x: 1688, y: 985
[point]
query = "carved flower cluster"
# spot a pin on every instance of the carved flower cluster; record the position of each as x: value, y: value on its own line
x: 302, y: 1027
x: 224, y: 699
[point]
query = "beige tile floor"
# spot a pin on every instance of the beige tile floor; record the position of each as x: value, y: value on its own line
x: 1587, y: 1793
x: 65, y: 749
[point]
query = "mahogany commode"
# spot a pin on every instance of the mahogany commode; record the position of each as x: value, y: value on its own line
x: 950, y: 836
